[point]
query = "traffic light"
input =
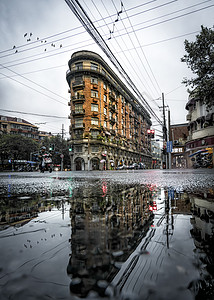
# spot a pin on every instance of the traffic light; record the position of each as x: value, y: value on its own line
x: 51, y: 147
x: 151, y: 133
x: 70, y: 148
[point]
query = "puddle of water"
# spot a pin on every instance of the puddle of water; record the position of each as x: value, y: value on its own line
x: 109, y: 240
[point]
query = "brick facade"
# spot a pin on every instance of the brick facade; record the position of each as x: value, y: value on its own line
x: 108, y: 124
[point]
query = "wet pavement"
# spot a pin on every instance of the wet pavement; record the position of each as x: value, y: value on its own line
x: 142, y: 234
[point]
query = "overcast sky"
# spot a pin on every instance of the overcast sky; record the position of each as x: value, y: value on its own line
x: 38, y: 38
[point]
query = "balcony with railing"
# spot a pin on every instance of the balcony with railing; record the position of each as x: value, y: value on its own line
x: 78, y: 97
x: 78, y: 84
x: 78, y: 112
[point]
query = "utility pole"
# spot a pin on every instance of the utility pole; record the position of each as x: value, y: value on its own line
x: 62, y: 155
x: 169, y: 139
x: 164, y: 134
x: 63, y: 132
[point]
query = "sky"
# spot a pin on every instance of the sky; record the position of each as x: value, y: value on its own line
x: 147, y: 38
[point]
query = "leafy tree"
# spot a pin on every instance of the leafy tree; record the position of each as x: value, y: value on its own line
x: 16, y: 146
x: 200, y: 59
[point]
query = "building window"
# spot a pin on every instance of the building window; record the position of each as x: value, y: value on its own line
x: 104, y: 98
x: 78, y: 78
x: 79, y: 94
x: 78, y: 122
x: 78, y: 149
x: 105, y: 111
x: 79, y: 133
x: 94, y: 66
x: 79, y: 66
x: 94, y: 133
x: 79, y: 107
x: 110, y: 127
x: 94, y: 121
x: 94, y: 148
x: 105, y: 124
x: 94, y: 94
x: 94, y: 107
x: 94, y: 80
x: 104, y: 85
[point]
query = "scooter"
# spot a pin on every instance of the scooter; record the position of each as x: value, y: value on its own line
x: 46, y: 164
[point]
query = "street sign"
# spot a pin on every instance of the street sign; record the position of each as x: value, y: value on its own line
x: 169, y: 146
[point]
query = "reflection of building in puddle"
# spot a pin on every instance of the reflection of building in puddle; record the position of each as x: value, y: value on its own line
x: 20, y: 210
x: 164, y: 265
x: 106, y: 226
x: 203, y: 234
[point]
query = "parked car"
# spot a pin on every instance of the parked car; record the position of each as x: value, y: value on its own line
x: 121, y: 167
x: 133, y: 166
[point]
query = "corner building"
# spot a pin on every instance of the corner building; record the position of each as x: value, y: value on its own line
x: 108, y: 124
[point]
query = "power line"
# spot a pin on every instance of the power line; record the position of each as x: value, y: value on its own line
x: 33, y: 114
x: 63, y: 32
x: 170, y: 19
x: 90, y: 28
x: 33, y: 89
x: 39, y: 85
x: 110, y: 23
x: 144, y: 54
x: 134, y: 69
x: 87, y: 118
x: 36, y: 71
x: 69, y: 30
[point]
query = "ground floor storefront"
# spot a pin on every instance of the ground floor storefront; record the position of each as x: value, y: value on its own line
x: 199, y: 153
x: 95, y: 157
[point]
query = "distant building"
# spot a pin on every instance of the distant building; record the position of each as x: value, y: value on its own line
x: 178, y: 136
x: 44, y: 134
x: 108, y: 124
x: 14, y: 125
x: 200, y: 141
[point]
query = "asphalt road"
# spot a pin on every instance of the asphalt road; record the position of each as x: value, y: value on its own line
x: 188, y: 180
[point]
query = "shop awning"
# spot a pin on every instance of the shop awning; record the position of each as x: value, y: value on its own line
x: 197, y: 152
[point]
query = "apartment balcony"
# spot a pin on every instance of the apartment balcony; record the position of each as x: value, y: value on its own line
x: 95, y: 113
x: 78, y: 84
x: 78, y: 126
x: 112, y: 95
x: 95, y: 100
x: 112, y: 107
x: 78, y: 98
x: 95, y: 86
x: 112, y: 120
x: 78, y: 112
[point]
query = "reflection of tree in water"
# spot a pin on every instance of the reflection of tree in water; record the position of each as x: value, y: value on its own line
x: 107, y: 224
x: 203, y: 234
